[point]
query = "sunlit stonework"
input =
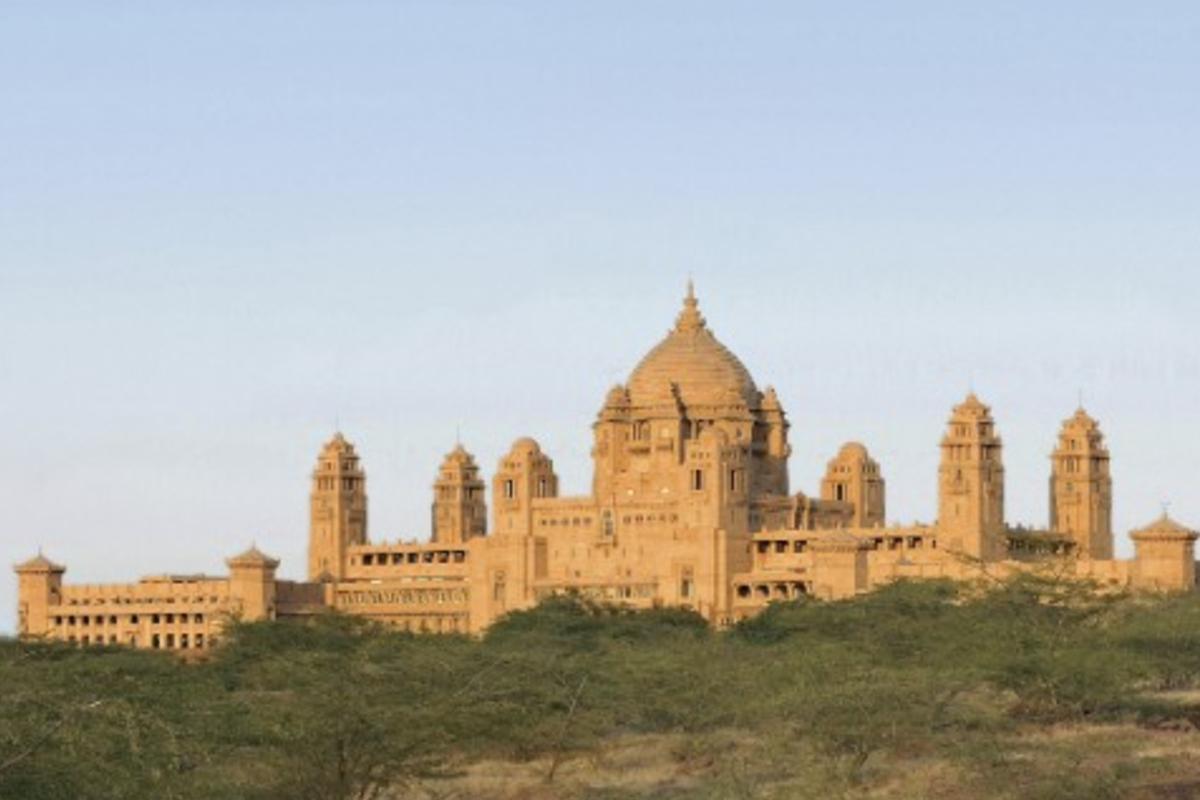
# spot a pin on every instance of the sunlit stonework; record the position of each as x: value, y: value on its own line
x: 690, y: 506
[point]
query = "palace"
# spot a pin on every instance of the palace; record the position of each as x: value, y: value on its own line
x: 690, y: 506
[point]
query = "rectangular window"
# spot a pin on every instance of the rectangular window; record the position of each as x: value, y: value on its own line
x: 697, y: 480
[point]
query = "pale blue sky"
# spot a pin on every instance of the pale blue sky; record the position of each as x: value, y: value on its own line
x: 225, y: 225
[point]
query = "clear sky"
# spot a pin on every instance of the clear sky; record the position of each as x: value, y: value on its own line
x: 228, y: 227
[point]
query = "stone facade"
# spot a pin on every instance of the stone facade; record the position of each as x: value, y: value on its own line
x: 690, y: 506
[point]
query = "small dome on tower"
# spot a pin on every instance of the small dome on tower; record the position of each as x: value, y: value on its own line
x: 525, y: 446
x: 852, y: 450
x: 617, y: 396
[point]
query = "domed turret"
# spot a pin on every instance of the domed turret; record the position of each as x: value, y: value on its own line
x: 853, y: 477
x: 524, y: 477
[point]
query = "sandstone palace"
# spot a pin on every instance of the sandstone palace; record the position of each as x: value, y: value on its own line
x: 690, y: 506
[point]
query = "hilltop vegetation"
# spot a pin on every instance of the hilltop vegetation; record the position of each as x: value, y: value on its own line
x: 1035, y: 688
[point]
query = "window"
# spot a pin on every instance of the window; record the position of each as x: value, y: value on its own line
x: 697, y: 480
x: 510, y: 489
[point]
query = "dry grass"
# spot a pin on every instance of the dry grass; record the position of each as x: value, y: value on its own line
x: 1087, y: 762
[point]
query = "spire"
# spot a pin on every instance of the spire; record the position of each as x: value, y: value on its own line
x: 690, y: 318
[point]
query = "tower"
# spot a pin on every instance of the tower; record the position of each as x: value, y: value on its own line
x: 971, y: 483
x: 1081, y: 487
x: 252, y: 584
x: 459, y: 508
x: 1164, y: 556
x: 854, y: 477
x: 337, y: 509
x: 39, y: 587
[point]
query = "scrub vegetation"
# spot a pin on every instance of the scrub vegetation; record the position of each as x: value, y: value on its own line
x: 1032, y: 688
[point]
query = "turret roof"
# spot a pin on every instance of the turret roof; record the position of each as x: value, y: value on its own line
x: 40, y: 563
x: 1163, y: 527
x: 338, y: 443
x: 972, y: 406
x: 252, y: 557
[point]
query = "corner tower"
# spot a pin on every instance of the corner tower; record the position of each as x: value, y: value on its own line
x: 1164, y: 556
x: 459, y: 509
x: 971, y: 483
x: 39, y: 589
x: 1081, y: 487
x: 252, y: 583
x: 337, y: 509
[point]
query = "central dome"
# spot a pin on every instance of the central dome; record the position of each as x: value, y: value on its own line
x: 692, y: 362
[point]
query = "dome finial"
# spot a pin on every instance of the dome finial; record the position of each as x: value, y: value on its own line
x: 690, y: 318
